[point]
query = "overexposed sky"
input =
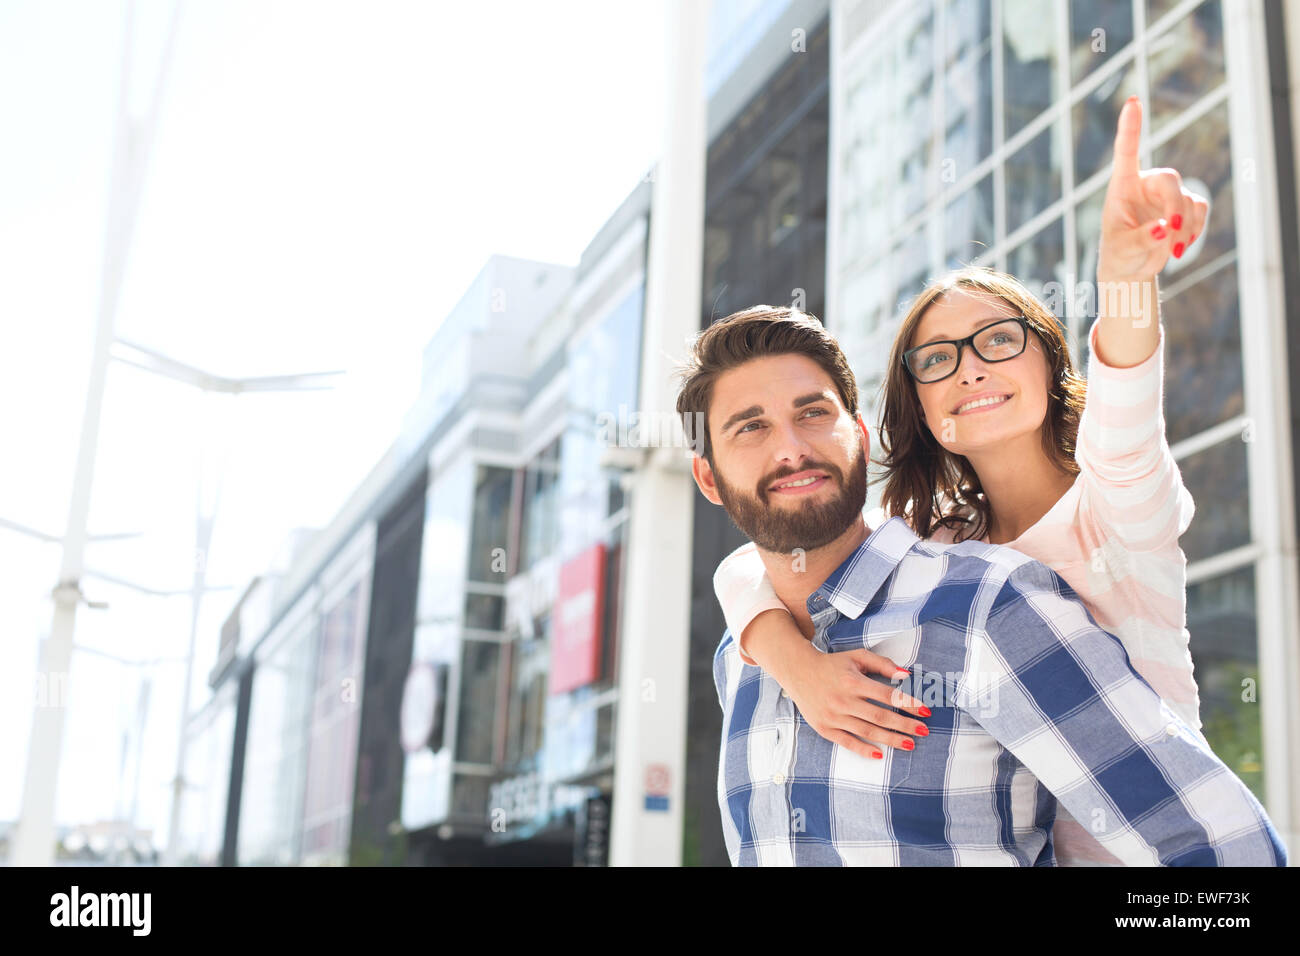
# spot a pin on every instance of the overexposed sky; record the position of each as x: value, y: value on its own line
x: 326, y: 179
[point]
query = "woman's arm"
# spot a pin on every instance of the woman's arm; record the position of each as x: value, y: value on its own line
x: 832, y: 691
x: 1133, y: 486
x: 1147, y: 217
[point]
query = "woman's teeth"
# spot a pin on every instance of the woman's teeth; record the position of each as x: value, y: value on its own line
x: 993, y: 400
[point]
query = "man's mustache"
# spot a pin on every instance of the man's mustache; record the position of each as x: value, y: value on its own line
x: 769, y: 480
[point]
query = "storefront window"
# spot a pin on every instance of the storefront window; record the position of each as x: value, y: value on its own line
x: 275, y: 760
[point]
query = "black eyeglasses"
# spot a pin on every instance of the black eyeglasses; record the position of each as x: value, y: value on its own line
x: 997, y: 342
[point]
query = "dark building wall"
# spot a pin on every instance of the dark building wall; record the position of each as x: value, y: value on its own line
x: 765, y: 238
x: 389, y: 640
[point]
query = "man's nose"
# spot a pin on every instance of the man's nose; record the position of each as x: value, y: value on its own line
x: 791, y: 445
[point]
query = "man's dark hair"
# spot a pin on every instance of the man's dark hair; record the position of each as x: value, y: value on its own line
x: 753, y: 333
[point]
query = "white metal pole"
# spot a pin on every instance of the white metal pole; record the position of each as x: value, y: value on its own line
x: 653, y: 670
x: 34, y: 839
x: 205, y: 515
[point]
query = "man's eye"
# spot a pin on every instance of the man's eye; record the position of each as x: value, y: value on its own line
x: 815, y: 411
x: 745, y: 428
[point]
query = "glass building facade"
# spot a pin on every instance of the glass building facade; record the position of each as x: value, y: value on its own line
x: 980, y: 132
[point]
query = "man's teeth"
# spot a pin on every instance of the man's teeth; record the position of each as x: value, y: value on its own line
x: 992, y: 400
x: 801, y: 482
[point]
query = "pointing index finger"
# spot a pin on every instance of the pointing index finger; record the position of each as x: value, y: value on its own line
x: 1127, y: 137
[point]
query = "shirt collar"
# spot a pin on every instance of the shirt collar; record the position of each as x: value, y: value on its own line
x: 855, y: 582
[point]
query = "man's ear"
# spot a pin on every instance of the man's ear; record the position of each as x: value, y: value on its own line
x: 866, y: 436
x: 704, y: 479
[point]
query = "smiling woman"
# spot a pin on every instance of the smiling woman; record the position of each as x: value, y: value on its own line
x: 991, y: 376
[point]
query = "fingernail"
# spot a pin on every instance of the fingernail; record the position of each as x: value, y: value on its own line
x: 1191, y: 240
x: 1176, y: 221
x: 922, y: 730
x: 877, y: 755
x: 902, y: 670
x: 1158, y: 232
x: 907, y: 745
x: 925, y: 711
x: 1178, y: 250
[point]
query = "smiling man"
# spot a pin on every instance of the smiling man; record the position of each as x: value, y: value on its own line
x: 1025, y: 696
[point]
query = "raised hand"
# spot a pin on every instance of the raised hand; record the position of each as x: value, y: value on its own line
x: 1148, y: 215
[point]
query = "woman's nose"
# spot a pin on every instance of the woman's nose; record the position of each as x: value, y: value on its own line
x: 972, y: 366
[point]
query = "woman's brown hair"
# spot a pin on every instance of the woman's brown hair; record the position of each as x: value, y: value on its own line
x: 929, y: 486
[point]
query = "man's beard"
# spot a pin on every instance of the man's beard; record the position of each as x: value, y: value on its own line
x: 782, y: 530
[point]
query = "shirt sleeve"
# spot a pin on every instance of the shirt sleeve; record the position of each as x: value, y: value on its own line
x: 1131, y: 483
x: 1061, y: 695
x: 744, y: 591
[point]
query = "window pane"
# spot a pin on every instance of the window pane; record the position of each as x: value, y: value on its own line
x: 1216, y: 479
x: 968, y: 86
x: 1040, y: 261
x: 475, y: 727
x: 968, y: 224
x: 1093, y: 122
x: 1098, y: 30
x: 491, y: 525
x: 1225, y: 655
x: 1030, y: 71
x: 1200, y: 153
x: 1033, y: 177
x: 485, y: 612
x: 1185, y: 62
x: 1083, y: 306
x: 1203, y: 370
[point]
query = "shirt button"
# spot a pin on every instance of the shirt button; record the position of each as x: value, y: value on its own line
x: 778, y: 778
x: 1172, y: 730
x: 784, y: 694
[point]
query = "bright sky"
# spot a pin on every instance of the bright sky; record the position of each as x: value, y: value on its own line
x: 326, y: 180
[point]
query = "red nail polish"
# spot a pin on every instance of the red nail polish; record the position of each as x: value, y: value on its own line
x: 922, y: 730
x: 925, y: 711
x: 1176, y: 221
x: 1191, y: 240
x: 1158, y: 232
x: 902, y: 670
x: 877, y: 755
x: 1178, y: 250
x: 907, y: 745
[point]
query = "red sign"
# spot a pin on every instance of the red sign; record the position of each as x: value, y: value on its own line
x: 576, y: 621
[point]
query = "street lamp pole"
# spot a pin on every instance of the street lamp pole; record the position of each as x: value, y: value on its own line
x: 132, y: 141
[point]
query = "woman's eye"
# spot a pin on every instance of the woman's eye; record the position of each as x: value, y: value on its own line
x: 933, y: 360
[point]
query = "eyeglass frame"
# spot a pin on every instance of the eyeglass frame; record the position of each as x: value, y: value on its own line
x: 962, y: 343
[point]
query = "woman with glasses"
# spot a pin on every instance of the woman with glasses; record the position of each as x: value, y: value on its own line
x: 986, y: 436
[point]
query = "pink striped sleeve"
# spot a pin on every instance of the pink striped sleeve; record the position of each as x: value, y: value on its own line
x: 1133, y: 485
x: 744, y: 591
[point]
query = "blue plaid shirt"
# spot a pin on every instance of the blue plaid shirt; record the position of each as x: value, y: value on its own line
x: 1031, y: 701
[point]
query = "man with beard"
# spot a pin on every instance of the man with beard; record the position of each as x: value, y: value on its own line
x: 1025, y: 696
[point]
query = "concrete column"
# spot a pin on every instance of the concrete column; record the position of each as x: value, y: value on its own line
x: 650, y: 756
